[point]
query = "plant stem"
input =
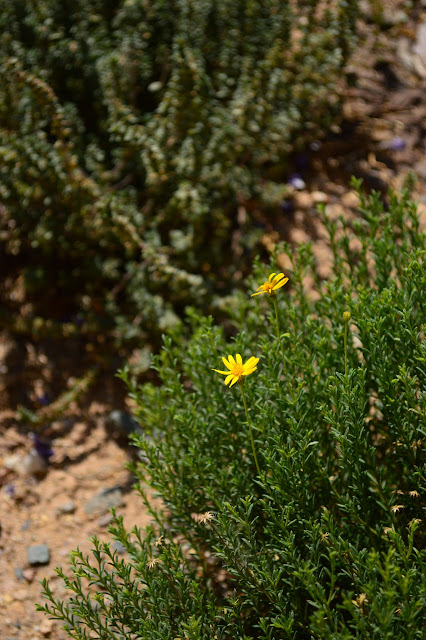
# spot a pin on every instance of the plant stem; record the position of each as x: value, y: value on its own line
x: 280, y: 341
x: 346, y: 350
x: 251, y: 430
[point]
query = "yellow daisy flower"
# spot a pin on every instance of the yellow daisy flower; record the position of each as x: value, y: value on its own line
x: 274, y: 282
x: 236, y: 368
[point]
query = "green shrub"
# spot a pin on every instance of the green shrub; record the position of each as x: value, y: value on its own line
x: 130, y: 132
x: 328, y: 540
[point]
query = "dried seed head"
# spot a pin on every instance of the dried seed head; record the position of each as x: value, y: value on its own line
x: 151, y: 563
x: 203, y: 518
x: 414, y: 521
x: 397, y: 507
x: 360, y: 600
x: 414, y: 494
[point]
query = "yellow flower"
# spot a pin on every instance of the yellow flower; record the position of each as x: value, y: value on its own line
x: 274, y: 282
x: 236, y: 368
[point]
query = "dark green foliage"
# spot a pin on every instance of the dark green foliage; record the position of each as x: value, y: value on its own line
x: 329, y: 542
x: 131, y: 130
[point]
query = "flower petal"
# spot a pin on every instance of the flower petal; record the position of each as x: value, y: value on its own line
x: 236, y: 378
x: 257, y: 294
x: 227, y: 364
x: 270, y: 277
x: 229, y: 378
x: 239, y: 359
x: 225, y: 373
x: 251, y: 362
x: 247, y: 373
x: 231, y: 359
x: 278, y: 277
x: 280, y: 284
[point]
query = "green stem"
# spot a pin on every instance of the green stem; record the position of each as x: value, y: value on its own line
x: 280, y: 341
x: 251, y: 430
x: 346, y: 350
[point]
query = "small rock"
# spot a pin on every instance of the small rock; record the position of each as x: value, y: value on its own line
x: 319, y: 197
x: 304, y: 200
x: 38, y: 554
x: 105, y: 520
x: 297, y: 182
x: 118, y: 547
x: 29, y: 574
x: 19, y: 575
x: 33, y: 464
x: 123, y: 421
x: 46, y: 627
x: 26, y: 525
x: 67, y: 507
x: 103, y: 501
x: 13, y: 462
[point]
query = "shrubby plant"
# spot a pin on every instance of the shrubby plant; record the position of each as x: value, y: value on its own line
x: 315, y: 527
x: 131, y: 132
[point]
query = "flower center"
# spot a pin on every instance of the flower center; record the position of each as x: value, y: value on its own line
x: 238, y: 369
x: 268, y: 287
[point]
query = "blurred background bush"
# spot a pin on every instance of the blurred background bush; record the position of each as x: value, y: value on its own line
x: 131, y: 134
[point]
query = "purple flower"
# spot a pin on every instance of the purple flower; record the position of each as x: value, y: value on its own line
x: 44, y: 399
x: 41, y: 446
x: 9, y: 489
x: 296, y: 181
x: 396, y: 144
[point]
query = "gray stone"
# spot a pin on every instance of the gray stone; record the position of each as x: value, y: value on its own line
x: 123, y: 421
x: 118, y: 547
x: 67, y: 507
x: 105, y: 520
x: 104, y: 500
x: 19, y: 575
x: 38, y: 554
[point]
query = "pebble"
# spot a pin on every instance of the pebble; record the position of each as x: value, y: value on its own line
x: 105, y: 520
x: 319, y: 197
x: 67, y: 507
x: 33, y: 464
x: 46, y: 627
x: 19, y: 575
x: 118, y: 547
x: 38, y: 554
x: 104, y: 500
x: 123, y: 421
x: 29, y: 574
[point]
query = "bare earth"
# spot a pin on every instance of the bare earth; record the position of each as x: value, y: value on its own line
x: 382, y: 139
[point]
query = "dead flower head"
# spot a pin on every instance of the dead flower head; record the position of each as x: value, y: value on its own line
x: 361, y: 600
x: 397, y: 507
x: 414, y: 494
x: 153, y: 562
x: 203, y: 518
x: 159, y: 541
